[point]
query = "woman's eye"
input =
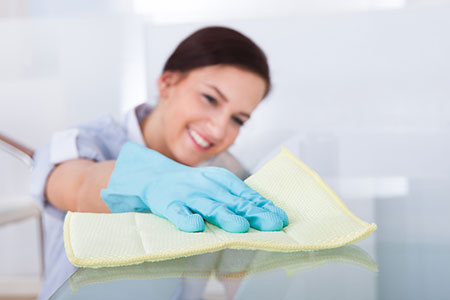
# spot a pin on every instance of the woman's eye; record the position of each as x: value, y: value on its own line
x: 210, y: 99
x: 213, y: 101
x: 238, y: 121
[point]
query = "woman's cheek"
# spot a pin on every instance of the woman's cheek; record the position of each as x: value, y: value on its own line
x: 232, y: 134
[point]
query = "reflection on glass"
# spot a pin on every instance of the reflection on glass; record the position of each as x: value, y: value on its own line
x: 228, y: 266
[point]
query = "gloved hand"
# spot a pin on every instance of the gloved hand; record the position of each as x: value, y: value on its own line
x: 144, y: 180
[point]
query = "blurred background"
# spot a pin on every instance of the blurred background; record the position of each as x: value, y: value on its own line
x: 361, y: 92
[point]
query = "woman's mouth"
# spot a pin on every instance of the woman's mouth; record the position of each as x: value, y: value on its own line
x: 198, y: 140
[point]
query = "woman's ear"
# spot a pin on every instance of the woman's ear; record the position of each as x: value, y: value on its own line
x: 166, y: 81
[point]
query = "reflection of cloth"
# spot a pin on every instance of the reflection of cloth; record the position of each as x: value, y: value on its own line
x: 99, y: 140
x: 228, y: 263
x: 318, y: 219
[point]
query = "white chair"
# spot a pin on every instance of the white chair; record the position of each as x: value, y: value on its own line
x: 20, y: 208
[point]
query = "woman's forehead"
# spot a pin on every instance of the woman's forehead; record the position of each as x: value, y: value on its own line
x: 231, y: 81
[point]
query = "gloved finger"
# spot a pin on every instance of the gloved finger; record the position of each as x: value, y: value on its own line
x: 179, y: 214
x: 265, y: 203
x: 239, y: 188
x: 242, y: 190
x: 258, y: 217
x: 260, y: 201
x: 279, y: 212
x: 218, y: 214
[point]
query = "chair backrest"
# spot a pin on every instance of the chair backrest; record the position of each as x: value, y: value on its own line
x: 16, y: 149
x: 24, y: 210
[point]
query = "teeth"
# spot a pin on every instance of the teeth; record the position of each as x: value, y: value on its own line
x: 198, y: 139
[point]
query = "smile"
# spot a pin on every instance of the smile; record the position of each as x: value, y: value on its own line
x: 198, y: 140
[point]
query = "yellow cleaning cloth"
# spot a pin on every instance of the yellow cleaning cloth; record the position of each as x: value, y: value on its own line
x: 318, y: 219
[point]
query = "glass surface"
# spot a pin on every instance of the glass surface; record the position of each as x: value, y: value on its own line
x: 408, y: 257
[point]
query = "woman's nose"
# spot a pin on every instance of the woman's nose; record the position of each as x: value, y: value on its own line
x: 217, y: 127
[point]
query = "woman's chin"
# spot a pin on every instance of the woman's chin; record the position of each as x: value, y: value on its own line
x: 188, y: 157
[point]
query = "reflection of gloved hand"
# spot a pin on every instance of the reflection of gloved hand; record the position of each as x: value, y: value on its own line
x: 144, y: 179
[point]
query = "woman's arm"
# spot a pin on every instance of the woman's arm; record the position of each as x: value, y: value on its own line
x: 75, y: 185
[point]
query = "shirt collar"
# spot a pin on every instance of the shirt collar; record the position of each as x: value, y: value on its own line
x: 131, y: 121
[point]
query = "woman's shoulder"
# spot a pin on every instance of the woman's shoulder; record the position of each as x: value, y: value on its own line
x: 228, y: 161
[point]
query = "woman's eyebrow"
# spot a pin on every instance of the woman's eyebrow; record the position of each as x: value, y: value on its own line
x: 218, y: 92
x: 225, y: 99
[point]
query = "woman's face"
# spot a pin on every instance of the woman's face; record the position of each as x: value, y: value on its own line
x: 203, y: 110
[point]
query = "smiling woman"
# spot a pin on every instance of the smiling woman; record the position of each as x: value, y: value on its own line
x: 210, y: 85
x: 208, y: 89
x: 199, y: 115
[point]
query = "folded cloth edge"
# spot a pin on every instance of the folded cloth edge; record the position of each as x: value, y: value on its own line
x: 319, y: 180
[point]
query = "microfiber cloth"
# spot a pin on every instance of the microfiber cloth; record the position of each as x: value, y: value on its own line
x: 318, y: 219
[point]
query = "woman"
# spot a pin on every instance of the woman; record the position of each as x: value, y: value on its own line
x: 208, y: 89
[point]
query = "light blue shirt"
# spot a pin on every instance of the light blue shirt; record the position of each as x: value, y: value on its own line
x: 98, y: 140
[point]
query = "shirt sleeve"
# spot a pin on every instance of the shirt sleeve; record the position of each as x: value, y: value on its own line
x: 99, y: 140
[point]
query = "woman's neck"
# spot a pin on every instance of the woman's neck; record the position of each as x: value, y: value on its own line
x: 152, y: 131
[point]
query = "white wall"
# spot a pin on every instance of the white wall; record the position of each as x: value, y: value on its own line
x: 59, y: 72
x: 372, y: 86
x: 55, y: 73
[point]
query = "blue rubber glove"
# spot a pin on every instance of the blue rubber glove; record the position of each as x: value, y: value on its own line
x: 144, y: 180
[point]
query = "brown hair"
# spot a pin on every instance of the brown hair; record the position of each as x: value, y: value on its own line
x: 219, y: 46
